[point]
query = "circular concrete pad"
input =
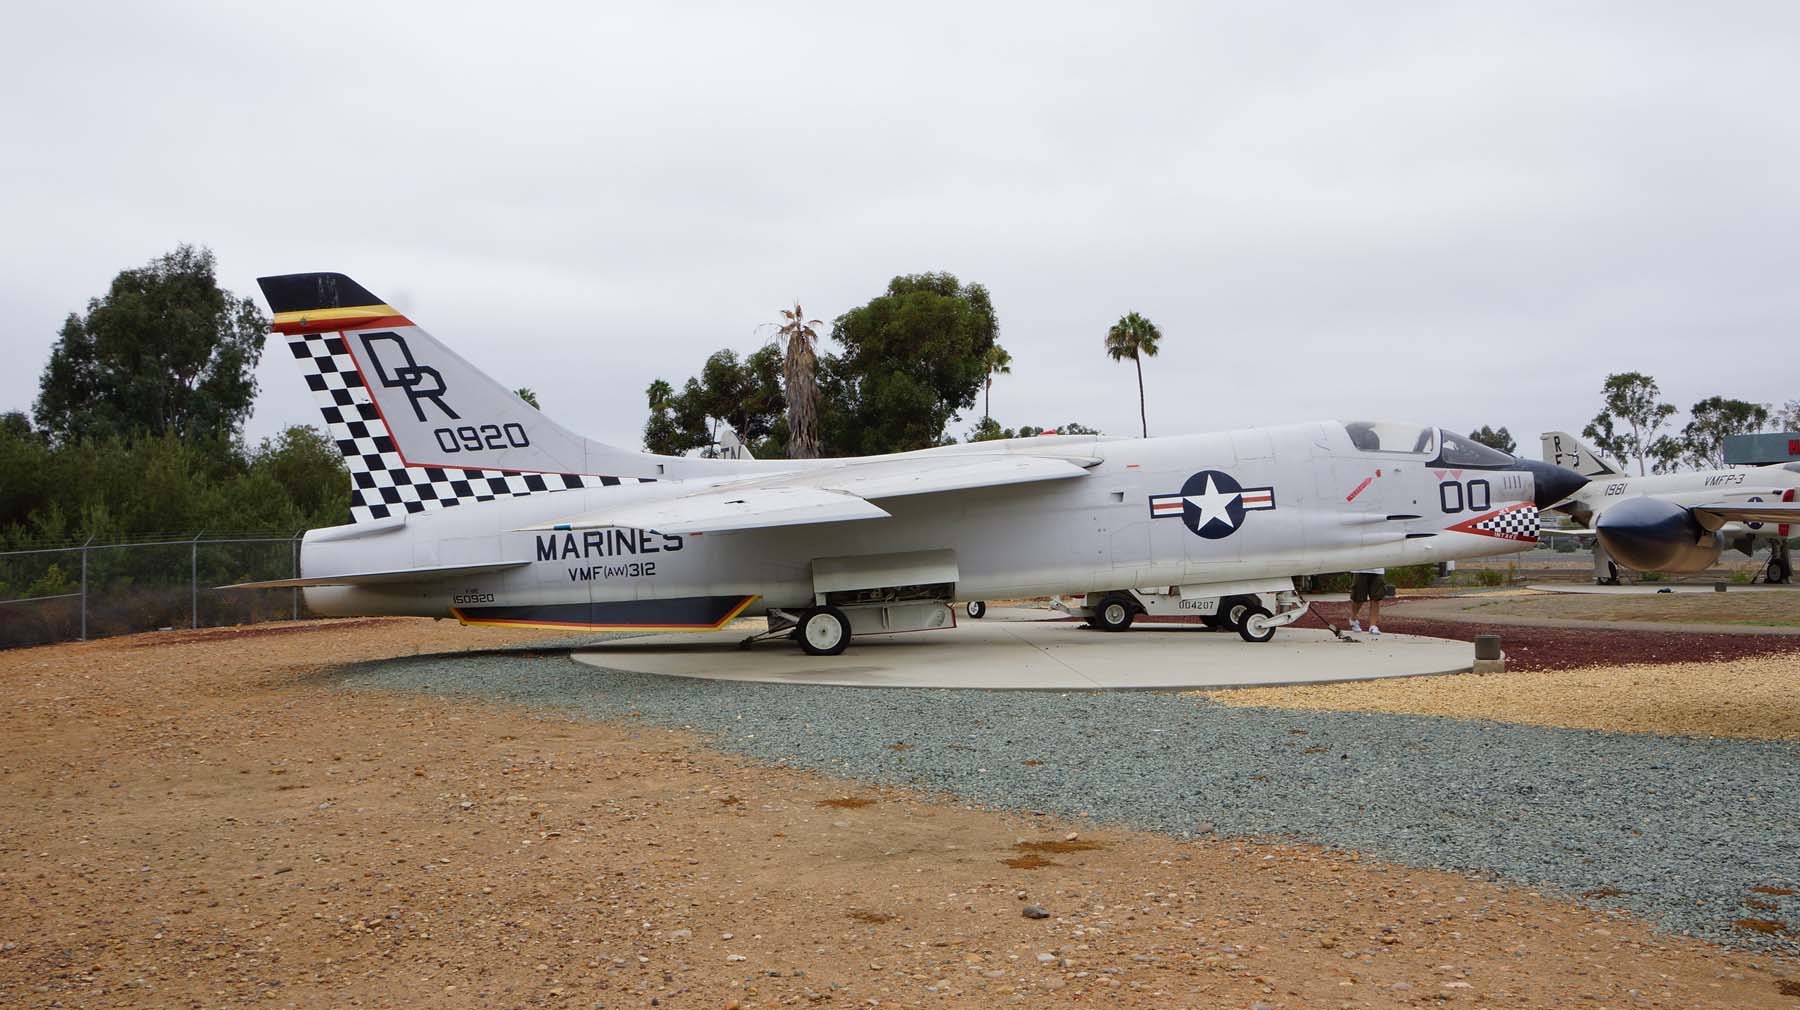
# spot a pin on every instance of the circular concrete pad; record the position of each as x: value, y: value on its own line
x: 1045, y: 655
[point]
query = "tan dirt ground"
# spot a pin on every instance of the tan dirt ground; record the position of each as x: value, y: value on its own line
x: 201, y: 820
x: 1752, y: 697
x: 1778, y: 608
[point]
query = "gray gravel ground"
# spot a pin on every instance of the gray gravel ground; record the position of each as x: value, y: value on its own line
x: 1684, y: 827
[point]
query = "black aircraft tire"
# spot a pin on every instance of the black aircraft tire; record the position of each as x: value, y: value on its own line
x: 1233, y: 609
x: 1254, y: 618
x: 1780, y: 571
x: 1114, y: 614
x: 976, y: 609
x: 824, y: 631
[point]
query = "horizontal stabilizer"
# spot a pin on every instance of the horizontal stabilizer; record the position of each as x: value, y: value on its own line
x: 732, y: 508
x: 1714, y: 516
x: 379, y: 578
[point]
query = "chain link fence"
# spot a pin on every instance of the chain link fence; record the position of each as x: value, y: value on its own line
x: 91, y: 590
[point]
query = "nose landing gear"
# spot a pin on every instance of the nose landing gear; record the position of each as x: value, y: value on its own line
x: 1253, y: 615
x: 1781, y: 564
x: 1257, y: 625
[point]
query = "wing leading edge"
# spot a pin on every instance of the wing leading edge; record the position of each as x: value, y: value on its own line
x: 842, y: 493
x: 1716, y: 515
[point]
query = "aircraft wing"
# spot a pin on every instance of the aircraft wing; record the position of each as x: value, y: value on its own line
x: 736, y: 508
x: 824, y: 495
x: 377, y: 578
x: 1572, y: 531
x: 1714, y: 516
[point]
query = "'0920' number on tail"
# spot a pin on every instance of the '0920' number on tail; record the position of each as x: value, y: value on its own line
x: 469, y: 438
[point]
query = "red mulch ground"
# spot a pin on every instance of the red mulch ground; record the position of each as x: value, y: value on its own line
x: 1561, y: 648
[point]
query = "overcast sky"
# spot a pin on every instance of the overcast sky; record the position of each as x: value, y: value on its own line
x: 1460, y: 214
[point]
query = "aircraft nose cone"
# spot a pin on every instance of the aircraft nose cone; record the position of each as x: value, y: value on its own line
x: 1553, y: 483
x: 1651, y: 535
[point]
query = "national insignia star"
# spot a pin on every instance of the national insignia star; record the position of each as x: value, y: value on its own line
x: 1213, y: 504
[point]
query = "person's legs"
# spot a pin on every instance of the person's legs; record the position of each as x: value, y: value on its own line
x: 1358, y: 593
x: 1375, y: 606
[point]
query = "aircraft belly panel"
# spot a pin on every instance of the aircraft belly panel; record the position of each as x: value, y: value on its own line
x: 688, y: 613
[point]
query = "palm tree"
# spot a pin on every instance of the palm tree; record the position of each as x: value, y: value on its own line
x: 799, y: 376
x: 525, y: 393
x: 998, y: 363
x: 1134, y: 337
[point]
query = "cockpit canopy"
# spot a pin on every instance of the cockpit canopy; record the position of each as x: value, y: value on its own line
x: 1461, y: 450
x: 1392, y: 436
x: 1440, y: 445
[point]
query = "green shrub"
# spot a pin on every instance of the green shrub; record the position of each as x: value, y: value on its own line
x: 1490, y: 577
x: 1652, y: 577
x: 1741, y: 576
x: 1412, y: 576
x: 1335, y: 582
x: 55, y: 582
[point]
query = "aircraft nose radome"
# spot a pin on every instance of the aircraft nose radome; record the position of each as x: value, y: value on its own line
x: 1653, y: 535
x: 1553, y: 483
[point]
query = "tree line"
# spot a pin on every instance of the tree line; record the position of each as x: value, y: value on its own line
x: 908, y: 363
x: 1635, y: 424
x: 137, y: 427
x: 136, y: 436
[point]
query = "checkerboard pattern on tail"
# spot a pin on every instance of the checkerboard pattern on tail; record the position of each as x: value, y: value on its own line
x: 381, y: 484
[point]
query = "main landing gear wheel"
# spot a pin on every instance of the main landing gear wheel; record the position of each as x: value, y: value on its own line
x: 1233, y: 609
x: 1255, y: 626
x: 824, y: 631
x: 1113, y: 614
x: 976, y: 609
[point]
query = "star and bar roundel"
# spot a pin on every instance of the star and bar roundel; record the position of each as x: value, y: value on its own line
x: 1212, y: 503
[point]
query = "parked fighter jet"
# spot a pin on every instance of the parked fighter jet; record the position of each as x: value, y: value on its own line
x: 1677, y: 522
x: 467, y: 503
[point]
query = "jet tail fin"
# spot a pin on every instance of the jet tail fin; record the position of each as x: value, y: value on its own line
x: 731, y: 446
x: 419, y: 427
x: 1564, y: 449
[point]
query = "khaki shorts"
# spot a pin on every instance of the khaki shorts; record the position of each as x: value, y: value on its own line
x: 1365, y: 586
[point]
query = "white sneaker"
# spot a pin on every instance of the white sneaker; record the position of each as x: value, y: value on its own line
x: 1355, y: 625
x: 1374, y: 632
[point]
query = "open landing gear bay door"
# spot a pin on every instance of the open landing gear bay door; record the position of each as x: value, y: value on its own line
x: 918, y: 574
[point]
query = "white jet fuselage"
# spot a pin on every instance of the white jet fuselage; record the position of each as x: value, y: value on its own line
x: 1175, y: 511
x: 1749, y: 485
